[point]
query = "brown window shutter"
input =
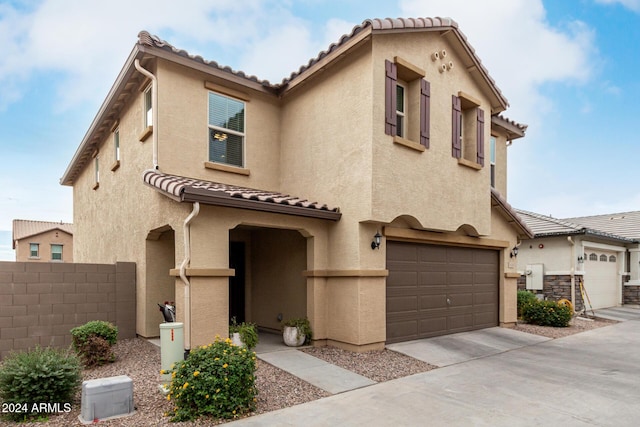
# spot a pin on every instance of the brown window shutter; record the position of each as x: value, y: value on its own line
x: 425, y: 112
x: 456, y: 113
x: 480, y: 138
x: 391, y: 81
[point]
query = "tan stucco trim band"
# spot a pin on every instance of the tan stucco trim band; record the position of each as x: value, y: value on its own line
x: 227, y: 91
x: 510, y: 275
x: 409, y: 235
x: 227, y: 168
x: 408, y: 143
x: 204, y: 272
x: 345, y: 273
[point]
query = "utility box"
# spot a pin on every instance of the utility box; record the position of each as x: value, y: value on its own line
x: 534, y: 276
x: 171, y: 347
x: 106, y: 398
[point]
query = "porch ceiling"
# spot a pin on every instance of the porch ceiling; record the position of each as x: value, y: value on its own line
x: 183, y: 189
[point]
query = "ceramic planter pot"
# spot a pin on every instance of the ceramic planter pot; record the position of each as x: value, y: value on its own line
x: 291, y: 336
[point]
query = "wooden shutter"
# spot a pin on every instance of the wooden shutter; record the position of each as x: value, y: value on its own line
x: 425, y: 112
x: 480, y: 137
x: 391, y: 80
x: 456, y: 113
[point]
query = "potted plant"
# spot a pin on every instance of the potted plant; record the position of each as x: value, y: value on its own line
x: 296, y: 332
x: 243, y: 334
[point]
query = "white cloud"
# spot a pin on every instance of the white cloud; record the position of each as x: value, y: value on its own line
x: 518, y: 46
x: 629, y: 4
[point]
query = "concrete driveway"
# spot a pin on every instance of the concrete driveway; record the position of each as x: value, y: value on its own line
x: 587, y: 379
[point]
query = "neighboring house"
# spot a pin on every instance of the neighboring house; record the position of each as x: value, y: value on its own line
x: 238, y: 197
x: 601, y: 252
x: 40, y: 241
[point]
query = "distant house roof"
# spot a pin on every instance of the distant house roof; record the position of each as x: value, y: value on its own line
x: 185, y: 189
x: 546, y: 226
x: 148, y: 45
x: 625, y: 224
x: 23, y: 228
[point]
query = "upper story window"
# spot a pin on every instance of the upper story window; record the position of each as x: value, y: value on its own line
x: 226, y: 130
x: 148, y: 107
x: 116, y: 143
x: 34, y: 250
x: 492, y: 159
x: 467, y: 134
x: 407, y: 104
x: 96, y: 172
x: 56, y: 252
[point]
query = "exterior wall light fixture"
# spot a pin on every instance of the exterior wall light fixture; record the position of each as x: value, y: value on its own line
x: 580, y: 259
x: 514, y: 252
x: 376, y: 241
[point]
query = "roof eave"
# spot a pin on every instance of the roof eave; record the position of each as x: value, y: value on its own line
x: 125, y: 74
x: 510, y: 214
x: 512, y: 130
x: 212, y: 198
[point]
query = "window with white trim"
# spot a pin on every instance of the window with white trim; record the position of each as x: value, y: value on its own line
x: 401, y: 107
x: 56, y: 252
x: 34, y: 250
x: 148, y: 107
x: 492, y: 159
x: 116, y: 143
x: 226, y: 130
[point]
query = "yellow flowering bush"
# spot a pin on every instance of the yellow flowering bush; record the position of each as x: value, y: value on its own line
x: 216, y: 380
x: 547, y: 313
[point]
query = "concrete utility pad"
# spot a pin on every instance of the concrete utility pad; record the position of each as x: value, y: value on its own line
x: 456, y: 348
x: 315, y: 371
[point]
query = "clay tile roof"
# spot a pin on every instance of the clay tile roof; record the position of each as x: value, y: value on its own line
x: 23, y: 228
x: 146, y: 39
x: 185, y: 189
x: 545, y: 226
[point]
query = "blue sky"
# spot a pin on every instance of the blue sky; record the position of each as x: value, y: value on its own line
x: 568, y: 69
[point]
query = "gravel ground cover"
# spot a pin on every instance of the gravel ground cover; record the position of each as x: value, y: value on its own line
x: 140, y: 360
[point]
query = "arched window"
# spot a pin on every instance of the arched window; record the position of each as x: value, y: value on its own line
x: 593, y: 257
x: 612, y: 258
x: 603, y: 258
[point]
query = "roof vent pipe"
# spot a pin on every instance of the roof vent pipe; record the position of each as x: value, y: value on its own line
x: 154, y: 109
x: 183, y: 275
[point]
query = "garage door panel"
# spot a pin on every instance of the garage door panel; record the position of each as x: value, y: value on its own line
x: 406, y: 304
x: 433, y: 274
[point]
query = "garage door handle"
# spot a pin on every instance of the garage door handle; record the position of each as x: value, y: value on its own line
x: 448, y: 301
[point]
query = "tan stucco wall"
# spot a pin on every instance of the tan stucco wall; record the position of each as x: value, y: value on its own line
x: 45, y: 240
x: 324, y: 140
x: 555, y: 254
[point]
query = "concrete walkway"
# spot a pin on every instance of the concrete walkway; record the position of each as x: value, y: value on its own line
x: 587, y: 379
x: 620, y: 314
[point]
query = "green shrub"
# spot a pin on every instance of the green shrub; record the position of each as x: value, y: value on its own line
x: 524, y: 298
x: 40, y: 375
x: 547, y: 313
x: 248, y: 332
x: 215, y: 380
x: 93, y: 341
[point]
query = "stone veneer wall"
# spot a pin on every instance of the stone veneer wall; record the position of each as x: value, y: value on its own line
x: 41, y: 302
x: 556, y: 287
x: 631, y: 294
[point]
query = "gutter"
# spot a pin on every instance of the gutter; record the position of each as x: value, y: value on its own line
x: 183, y: 276
x: 154, y: 108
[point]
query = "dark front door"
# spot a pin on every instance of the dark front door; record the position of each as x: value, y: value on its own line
x: 236, y: 283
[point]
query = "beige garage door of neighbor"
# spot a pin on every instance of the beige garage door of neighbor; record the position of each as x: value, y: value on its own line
x: 601, y: 278
x: 437, y: 290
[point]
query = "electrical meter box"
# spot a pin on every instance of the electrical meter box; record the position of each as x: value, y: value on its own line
x: 105, y: 398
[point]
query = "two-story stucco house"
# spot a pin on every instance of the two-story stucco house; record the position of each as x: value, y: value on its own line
x: 365, y: 191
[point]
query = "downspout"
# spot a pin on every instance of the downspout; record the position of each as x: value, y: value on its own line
x: 154, y: 109
x: 183, y: 275
x: 573, y: 270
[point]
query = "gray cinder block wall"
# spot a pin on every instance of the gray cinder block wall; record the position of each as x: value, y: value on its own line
x: 41, y: 302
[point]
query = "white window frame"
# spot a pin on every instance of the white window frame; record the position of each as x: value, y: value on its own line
x: 61, y: 251
x: 492, y: 160
x: 116, y: 143
x: 148, y: 106
x: 97, y: 169
x: 401, y: 116
x: 223, y: 131
x: 37, y: 255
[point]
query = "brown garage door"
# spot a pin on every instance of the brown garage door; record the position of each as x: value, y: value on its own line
x: 436, y: 290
